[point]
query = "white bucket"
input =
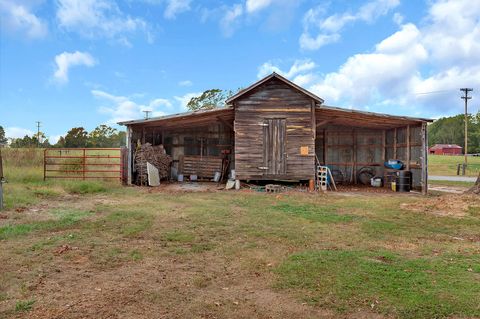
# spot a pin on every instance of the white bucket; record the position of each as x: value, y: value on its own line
x: 216, y: 177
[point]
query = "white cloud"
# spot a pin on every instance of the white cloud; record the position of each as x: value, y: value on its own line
x: 19, y: 18
x: 17, y: 132
x: 296, y: 72
x: 66, y: 60
x: 257, y: 5
x: 329, y: 29
x: 160, y: 103
x: 53, y: 139
x: 440, y: 56
x: 175, y: 7
x: 398, y: 18
x: 229, y: 21
x: 122, y: 108
x: 185, y: 83
x: 184, y: 99
x: 98, y: 18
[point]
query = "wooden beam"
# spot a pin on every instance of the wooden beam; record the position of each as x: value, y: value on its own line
x: 225, y: 122
x: 130, y: 148
x: 321, y: 123
x: 314, y: 137
x: 395, y: 144
x: 325, y: 147
x: 424, y: 159
x: 408, y: 147
x: 384, y: 142
x: 354, y: 168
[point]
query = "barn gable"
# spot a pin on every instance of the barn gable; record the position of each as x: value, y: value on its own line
x: 274, y: 131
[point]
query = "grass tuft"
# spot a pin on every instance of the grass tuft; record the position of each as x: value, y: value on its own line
x: 85, y: 187
x: 22, y: 306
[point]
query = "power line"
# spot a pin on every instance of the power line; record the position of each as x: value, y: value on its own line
x: 465, y: 97
x: 433, y: 92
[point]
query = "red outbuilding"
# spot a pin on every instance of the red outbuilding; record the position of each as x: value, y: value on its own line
x: 445, y: 149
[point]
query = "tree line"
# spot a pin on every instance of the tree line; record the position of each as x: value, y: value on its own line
x: 77, y: 137
x: 450, y: 130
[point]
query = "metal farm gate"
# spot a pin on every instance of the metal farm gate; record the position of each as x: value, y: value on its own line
x: 84, y: 163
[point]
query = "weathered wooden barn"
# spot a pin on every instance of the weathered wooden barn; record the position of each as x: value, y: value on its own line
x: 276, y: 130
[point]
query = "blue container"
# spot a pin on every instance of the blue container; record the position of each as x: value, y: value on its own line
x: 393, y: 164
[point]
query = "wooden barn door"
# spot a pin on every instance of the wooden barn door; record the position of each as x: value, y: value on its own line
x: 274, y: 146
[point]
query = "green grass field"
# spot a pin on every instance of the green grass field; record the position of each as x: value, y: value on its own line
x: 447, y: 165
x: 95, y: 249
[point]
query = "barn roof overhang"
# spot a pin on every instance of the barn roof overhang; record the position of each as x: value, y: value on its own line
x: 268, y: 78
x: 354, y: 118
x: 186, y: 119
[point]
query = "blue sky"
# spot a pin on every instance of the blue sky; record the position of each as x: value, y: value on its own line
x: 72, y: 63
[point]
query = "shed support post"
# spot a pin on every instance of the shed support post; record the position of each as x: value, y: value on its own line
x: 395, y: 143
x: 408, y: 147
x: 424, y: 159
x: 354, y: 166
x: 129, y: 155
x: 384, y: 142
x: 314, y: 137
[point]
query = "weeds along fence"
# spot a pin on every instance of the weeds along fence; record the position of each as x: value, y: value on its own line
x: 23, y: 157
x: 84, y: 163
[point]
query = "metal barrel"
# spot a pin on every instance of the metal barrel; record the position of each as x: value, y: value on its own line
x: 404, y: 181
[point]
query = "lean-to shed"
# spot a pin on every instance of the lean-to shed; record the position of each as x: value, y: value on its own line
x: 276, y: 130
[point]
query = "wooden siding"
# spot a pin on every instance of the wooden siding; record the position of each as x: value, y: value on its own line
x: 274, y: 99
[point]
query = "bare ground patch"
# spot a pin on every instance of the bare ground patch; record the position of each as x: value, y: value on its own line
x: 446, y: 205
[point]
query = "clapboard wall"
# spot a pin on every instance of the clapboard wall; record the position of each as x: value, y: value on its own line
x: 274, y: 99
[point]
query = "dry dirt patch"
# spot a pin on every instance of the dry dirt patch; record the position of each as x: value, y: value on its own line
x: 446, y: 205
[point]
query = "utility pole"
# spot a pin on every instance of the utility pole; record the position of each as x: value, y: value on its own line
x: 465, y: 97
x: 38, y: 132
x: 146, y: 114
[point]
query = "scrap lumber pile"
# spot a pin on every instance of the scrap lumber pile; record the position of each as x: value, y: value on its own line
x: 154, y: 155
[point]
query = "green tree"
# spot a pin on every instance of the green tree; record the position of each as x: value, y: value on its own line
x: 30, y: 141
x: 106, y: 136
x: 76, y: 137
x: 102, y: 136
x: 450, y: 130
x: 210, y: 99
x: 3, y: 139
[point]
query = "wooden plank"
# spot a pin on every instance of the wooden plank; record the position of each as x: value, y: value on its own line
x: 424, y: 159
x: 384, y: 141
x: 395, y: 144
x: 354, y: 168
x: 408, y: 147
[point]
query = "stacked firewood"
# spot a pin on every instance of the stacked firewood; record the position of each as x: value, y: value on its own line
x: 154, y: 155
